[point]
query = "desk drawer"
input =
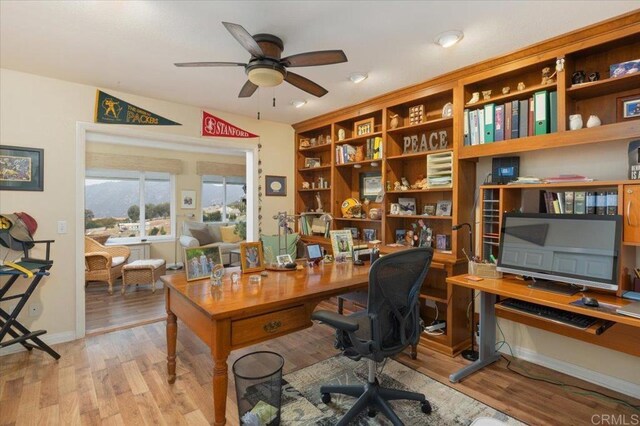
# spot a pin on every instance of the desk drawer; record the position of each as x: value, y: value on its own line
x: 267, y: 326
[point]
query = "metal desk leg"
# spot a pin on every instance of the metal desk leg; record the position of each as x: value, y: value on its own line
x: 487, y: 344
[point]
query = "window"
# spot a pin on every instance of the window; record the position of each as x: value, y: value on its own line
x: 127, y: 204
x: 223, y: 198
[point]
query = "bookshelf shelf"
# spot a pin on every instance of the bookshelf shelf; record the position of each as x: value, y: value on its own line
x: 417, y: 216
x: 516, y: 94
x: 353, y: 219
x: 421, y: 191
x: 314, y: 190
x: 314, y: 169
x: 604, y: 87
x: 360, y: 163
x: 427, y: 125
x: 359, y: 139
x: 434, y: 293
x: 317, y: 148
x: 602, y: 134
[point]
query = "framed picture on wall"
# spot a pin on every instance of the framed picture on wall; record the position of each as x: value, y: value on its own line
x: 275, y: 185
x: 21, y: 169
x: 188, y: 199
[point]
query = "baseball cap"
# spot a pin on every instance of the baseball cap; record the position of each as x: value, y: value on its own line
x: 13, y: 232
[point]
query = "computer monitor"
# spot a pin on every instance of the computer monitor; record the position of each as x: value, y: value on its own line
x: 568, y: 248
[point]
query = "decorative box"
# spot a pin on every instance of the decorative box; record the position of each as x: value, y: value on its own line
x: 484, y: 270
x: 624, y: 68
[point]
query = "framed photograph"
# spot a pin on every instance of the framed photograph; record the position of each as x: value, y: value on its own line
x: 407, y: 206
x: 363, y: 127
x: 200, y: 261
x: 341, y: 243
x: 400, y: 235
x: 443, y: 242
x: 314, y: 252
x: 394, y: 208
x: 429, y: 209
x: 369, y: 234
x: 426, y: 237
x: 628, y: 108
x: 188, y: 199
x: 443, y: 208
x: 370, y: 185
x: 21, y: 169
x: 275, y: 186
x: 311, y: 163
x: 251, y: 257
x: 355, y: 233
x: 283, y: 259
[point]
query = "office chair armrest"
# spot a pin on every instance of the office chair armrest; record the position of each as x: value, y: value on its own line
x: 335, y: 320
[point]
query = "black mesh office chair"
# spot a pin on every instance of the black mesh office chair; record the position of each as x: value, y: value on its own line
x: 390, y: 324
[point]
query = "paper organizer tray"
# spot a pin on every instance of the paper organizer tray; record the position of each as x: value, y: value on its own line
x: 484, y: 270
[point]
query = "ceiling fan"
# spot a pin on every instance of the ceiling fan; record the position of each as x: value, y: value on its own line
x: 266, y: 68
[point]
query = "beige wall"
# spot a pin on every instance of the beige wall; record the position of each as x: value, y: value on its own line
x: 42, y: 112
x: 602, y: 162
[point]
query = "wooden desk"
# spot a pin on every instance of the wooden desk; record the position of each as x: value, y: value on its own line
x: 517, y: 289
x: 236, y: 316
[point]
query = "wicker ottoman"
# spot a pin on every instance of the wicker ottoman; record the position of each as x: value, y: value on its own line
x: 143, y: 272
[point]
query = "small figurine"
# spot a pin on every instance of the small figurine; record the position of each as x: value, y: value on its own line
x: 547, y: 77
x: 395, y: 121
x: 305, y: 185
x: 388, y: 186
x: 521, y: 86
x: 486, y: 95
x: 474, y: 98
x: 320, y: 140
x: 594, y: 76
x: 593, y: 121
x: 319, y: 202
x: 506, y: 90
x: 304, y: 143
x: 578, y: 77
x: 416, y: 184
x: 405, y: 184
x: 396, y: 186
x: 560, y: 65
x: 341, y: 135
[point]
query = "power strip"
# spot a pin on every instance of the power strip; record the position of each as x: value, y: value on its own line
x: 434, y: 327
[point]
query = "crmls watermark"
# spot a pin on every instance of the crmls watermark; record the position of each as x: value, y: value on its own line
x: 616, y: 419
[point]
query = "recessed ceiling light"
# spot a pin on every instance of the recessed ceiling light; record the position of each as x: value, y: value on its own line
x: 298, y: 103
x: 358, y: 77
x: 448, y: 38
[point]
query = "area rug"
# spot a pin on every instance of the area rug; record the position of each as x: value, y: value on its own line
x: 302, y: 405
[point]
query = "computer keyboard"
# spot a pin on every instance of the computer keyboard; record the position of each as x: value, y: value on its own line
x: 557, y: 315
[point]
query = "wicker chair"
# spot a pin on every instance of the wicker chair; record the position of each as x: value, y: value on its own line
x: 103, y: 263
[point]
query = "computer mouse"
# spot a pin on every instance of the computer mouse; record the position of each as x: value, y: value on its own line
x: 291, y: 265
x: 590, y: 301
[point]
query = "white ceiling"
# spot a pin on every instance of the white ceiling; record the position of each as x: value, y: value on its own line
x: 131, y: 46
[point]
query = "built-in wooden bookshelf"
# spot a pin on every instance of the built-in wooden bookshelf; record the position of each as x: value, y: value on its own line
x: 407, y: 142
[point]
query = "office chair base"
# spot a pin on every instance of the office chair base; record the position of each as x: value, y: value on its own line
x: 374, y: 398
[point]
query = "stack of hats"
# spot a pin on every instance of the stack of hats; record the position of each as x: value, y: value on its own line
x: 16, y: 230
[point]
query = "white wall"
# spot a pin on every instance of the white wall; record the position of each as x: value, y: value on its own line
x: 42, y: 112
x: 599, y: 161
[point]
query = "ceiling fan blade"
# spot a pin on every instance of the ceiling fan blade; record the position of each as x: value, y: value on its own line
x: 305, y: 84
x: 244, y: 38
x: 247, y: 90
x: 320, y: 57
x: 209, y: 64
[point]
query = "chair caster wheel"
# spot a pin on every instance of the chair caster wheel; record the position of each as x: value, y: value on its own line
x: 372, y: 413
x: 426, y: 407
x: 326, y: 398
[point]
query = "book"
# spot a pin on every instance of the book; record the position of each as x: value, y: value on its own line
x: 553, y: 112
x: 579, y: 205
x: 507, y: 121
x: 561, y: 205
x: 489, y: 127
x: 612, y: 202
x: 524, y: 118
x: 498, y: 134
x: 541, y: 112
x: 601, y: 203
x: 568, y: 202
x: 590, y: 205
x: 473, y: 121
x: 481, y: 124
x: 531, y: 111
x: 467, y: 134
x: 515, y: 119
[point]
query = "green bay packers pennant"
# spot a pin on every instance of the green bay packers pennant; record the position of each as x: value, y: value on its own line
x: 112, y: 110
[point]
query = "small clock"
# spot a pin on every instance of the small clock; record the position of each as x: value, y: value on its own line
x: 447, y: 110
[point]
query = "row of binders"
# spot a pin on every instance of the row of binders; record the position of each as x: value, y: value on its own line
x: 579, y: 202
x: 537, y: 115
x: 372, y: 151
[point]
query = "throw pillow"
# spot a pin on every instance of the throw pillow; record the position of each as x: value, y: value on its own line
x: 202, y: 235
x: 229, y: 235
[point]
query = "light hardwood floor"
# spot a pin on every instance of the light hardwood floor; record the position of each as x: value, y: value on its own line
x: 120, y: 378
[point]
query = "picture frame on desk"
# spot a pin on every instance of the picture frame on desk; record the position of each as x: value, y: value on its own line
x: 311, y: 163
x: 341, y: 243
x: 251, y: 257
x: 443, y: 208
x: 407, y: 206
x: 628, y: 108
x: 199, y: 262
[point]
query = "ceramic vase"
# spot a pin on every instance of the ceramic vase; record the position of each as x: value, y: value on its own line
x: 575, y: 122
x: 593, y: 121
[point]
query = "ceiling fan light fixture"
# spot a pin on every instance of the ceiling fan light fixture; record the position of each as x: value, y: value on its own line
x: 265, y: 77
x: 298, y: 103
x: 448, y: 38
x: 358, y: 77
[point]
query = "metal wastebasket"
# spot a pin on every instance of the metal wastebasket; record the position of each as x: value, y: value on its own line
x: 258, y: 378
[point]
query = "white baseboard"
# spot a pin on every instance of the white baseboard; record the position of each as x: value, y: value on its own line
x: 613, y: 383
x: 49, y: 339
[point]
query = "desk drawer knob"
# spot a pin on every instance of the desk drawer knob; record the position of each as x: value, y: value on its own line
x: 272, y: 326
